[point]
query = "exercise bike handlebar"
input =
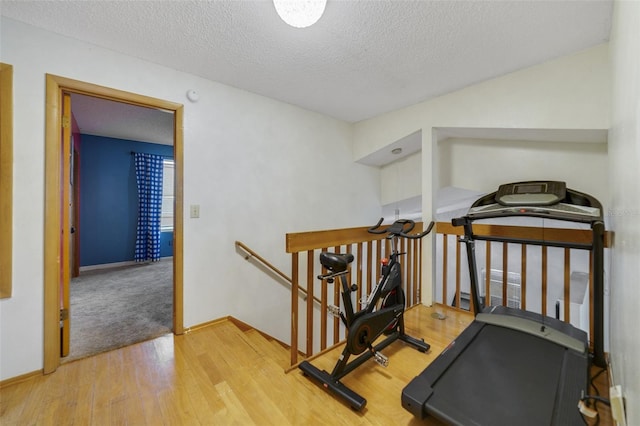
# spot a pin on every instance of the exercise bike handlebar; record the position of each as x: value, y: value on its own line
x: 400, y: 228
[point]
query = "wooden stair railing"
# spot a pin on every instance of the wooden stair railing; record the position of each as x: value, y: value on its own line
x: 367, y: 249
x: 253, y: 255
x: 444, y: 230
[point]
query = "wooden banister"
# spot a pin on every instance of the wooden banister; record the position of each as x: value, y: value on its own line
x: 322, y: 330
x: 514, y: 234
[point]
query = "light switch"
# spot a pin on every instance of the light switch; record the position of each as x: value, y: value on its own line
x: 195, y: 210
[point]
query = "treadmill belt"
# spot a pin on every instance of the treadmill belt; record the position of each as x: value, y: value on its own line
x: 504, y: 377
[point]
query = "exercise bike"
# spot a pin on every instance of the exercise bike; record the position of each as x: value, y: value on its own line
x: 367, y: 325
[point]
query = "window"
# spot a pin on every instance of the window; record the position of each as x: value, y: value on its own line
x: 166, y: 217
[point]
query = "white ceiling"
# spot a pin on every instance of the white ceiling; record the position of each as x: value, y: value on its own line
x: 363, y: 58
x: 102, y: 117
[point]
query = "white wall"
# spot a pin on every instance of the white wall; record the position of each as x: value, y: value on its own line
x: 483, y: 164
x: 624, y: 166
x: 568, y: 93
x: 401, y: 179
x: 258, y: 169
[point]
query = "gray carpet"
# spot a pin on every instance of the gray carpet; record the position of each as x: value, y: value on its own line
x: 119, y: 307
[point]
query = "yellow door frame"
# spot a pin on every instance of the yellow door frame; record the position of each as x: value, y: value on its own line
x: 55, y: 87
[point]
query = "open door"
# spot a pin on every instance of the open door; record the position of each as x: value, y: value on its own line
x: 65, y: 224
x: 75, y: 208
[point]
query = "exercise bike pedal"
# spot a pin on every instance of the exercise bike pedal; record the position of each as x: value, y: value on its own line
x: 381, y: 359
x: 333, y: 310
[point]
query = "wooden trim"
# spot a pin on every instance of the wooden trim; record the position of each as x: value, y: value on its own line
x: 303, y: 241
x: 55, y: 85
x: 19, y: 379
x: 178, y: 219
x: 6, y: 180
x: 206, y: 324
x: 52, y: 226
x: 65, y: 224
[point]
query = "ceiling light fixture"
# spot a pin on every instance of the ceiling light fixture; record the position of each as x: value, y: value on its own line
x: 300, y: 13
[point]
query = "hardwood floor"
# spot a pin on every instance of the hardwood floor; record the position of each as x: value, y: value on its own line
x: 221, y: 375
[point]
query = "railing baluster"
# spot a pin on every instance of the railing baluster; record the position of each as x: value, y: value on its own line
x: 505, y: 252
x: 457, y: 295
x: 323, y: 310
x: 359, y: 273
x: 294, y: 308
x: 408, y: 278
x: 417, y: 252
x: 370, y: 272
x: 419, y: 273
x: 567, y: 285
x: 487, y: 278
x: 336, y: 302
x: 445, y: 266
x: 378, y: 257
x: 523, y: 278
x: 310, y: 293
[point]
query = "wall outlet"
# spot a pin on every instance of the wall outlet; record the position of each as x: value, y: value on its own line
x: 195, y: 211
x: 617, y: 405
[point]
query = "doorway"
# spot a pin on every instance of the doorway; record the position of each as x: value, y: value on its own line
x: 116, y: 299
x: 54, y: 249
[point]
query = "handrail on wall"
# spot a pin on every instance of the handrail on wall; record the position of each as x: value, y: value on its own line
x: 252, y: 254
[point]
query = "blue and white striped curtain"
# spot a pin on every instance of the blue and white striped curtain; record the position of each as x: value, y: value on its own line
x: 149, y: 179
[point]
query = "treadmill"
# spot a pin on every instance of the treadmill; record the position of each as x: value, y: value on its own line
x: 514, y: 367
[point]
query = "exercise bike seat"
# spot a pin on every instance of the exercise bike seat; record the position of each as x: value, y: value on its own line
x: 335, y: 262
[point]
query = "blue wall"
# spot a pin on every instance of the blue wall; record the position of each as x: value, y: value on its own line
x: 109, y: 199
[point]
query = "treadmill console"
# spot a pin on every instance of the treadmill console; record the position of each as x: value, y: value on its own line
x: 535, y: 193
x: 546, y: 199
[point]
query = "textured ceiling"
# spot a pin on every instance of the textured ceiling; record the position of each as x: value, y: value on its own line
x: 363, y: 58
x: 102, y: 117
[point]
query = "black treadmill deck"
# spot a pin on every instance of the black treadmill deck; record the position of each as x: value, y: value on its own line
x: 503, y: 376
